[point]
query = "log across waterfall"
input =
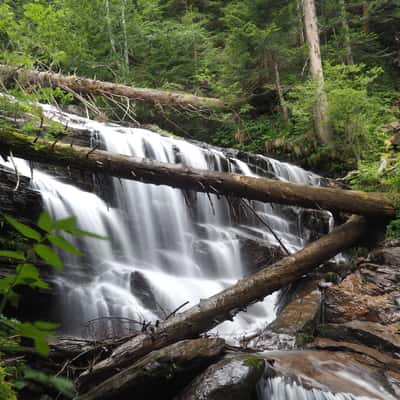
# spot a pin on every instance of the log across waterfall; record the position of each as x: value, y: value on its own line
x: 150, y: 171
x: 224, y: 305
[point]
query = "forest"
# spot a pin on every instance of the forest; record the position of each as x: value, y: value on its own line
x: 195, y: 190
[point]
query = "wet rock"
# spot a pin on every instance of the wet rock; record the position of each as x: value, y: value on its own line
x: 336, y: 372
x: 160, y: 374
x: 388, y: 362
x: 141, y: 288
x: 25, y: 203
x: 259, y: 253
x: 232, y: 378
x: 300, y: 316
x: 388, y: 256
x: 368, y: 294
x: 377, y: 336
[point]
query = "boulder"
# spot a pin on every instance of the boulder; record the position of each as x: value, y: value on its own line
x: 371, y: 293
x: 233, y: 378
x: 300, y: 317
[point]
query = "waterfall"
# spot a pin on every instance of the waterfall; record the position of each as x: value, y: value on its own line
x: 165, y: 247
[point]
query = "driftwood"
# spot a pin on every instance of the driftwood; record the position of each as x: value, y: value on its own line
x: 224, y: 305
x: 95, y: 87
x: 148, y: 171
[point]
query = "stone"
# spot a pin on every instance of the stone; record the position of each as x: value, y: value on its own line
x: 233, y: 378
x: 388, y: 362
x: 330, y: 371
x: 300, y: 315
x: 368, y: 294
x: 377, y: 336
x: 387, y: 256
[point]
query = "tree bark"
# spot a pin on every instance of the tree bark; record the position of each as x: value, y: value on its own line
x: 95, y: 87
x: 161, y: 371
x: 177, y: 176
x: 226, y: 304
x: 125, y: 34
x: 321, y: 117
x: 346, y: 33
x: 282, y: 101
x: 109, y: 27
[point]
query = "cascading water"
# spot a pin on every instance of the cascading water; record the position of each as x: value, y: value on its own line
x: 281, y: 388
x: 165, y: 247
x: 162, y: 251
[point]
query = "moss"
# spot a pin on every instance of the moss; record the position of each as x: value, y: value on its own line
x: 331, y: 277
x: 253, y: 361
x: 302, y: 339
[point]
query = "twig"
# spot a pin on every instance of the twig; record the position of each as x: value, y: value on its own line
x: 177, y: 309
x: 265, y: 224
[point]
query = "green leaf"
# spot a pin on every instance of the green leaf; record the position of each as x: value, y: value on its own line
x: 6, y: 283
x: 47, y: 254
x: 29, y: 330
x: 25, y: 230
x: 46, y: 326
x: 62, y: 385
x: 28, y: 274
x: 65, y: 224
x: 17, y: 255
x: 80, y: 233
x: 45, y: 222
x: 63, y: 244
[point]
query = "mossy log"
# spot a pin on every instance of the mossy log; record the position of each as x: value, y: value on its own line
x: 101, y: 88
x: 224, y: 305
x: 160, y: 373
x: 177, y: 176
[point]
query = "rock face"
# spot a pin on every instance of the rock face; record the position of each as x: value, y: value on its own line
x: 232, y: 378
x: 371, y: 293
x: 300, y: 316
x: 25, y: 203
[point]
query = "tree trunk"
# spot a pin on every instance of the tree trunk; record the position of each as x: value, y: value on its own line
x: 95, y: 87
x: 125, y: 34
x: 109, y: 27
x: 282, y: 101
x: 228, y: 184
x: 321, y: 117
x: 365, y: 12
x: 346, y: 33
x: 226, y: 304
x: 302, y: 40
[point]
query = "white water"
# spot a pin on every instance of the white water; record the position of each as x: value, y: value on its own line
x: 280, y: 388
x: 162, y: 252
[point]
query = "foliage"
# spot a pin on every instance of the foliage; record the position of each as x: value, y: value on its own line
x: 6, y: 390
x: 38, y: 246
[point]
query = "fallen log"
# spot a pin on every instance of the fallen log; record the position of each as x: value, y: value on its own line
x: 96, y: 87
x: 160, y: 373
x: 224, y: 305
x: 177, y: 176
